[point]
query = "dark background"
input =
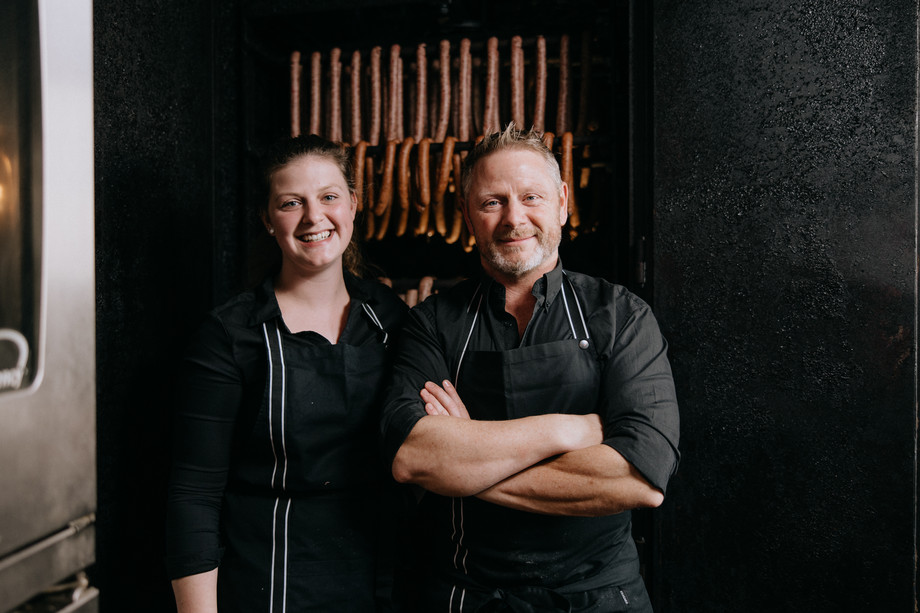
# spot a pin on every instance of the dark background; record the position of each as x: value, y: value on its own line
x: 771, y: 164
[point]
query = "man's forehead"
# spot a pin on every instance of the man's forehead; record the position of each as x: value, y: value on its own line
x: 521, y: 152
x: 527, y: 164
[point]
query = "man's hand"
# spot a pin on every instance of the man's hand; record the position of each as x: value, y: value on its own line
x: 443, y: 400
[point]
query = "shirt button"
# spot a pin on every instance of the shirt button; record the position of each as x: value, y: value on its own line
x: 583, y: 344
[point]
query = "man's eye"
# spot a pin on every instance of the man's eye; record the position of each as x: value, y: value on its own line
x: 490, y: 203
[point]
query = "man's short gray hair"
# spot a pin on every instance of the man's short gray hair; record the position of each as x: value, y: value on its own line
x: 509, y: 139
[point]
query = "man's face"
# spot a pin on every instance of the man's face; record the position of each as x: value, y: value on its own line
x: 516, y: 213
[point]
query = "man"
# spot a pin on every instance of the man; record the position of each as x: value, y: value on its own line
x: 554, y: 416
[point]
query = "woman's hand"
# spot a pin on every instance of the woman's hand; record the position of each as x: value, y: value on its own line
x: 443, y: 400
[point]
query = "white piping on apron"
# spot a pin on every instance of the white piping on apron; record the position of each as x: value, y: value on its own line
x: 271, y: 582
x: 370, y: 312
x: 287, y: 514
x: 450, y: 603
x: 283, y: 402
x: 470, y: 333
x: 582, y: 343
x: 271, y: 436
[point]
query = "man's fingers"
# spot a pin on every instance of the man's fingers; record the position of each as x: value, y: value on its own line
x: 455, y: 404
x: 444, y: 399
x: 432, y: 405
x: 451, y: 391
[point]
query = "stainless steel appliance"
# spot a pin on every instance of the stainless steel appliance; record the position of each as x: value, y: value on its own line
x: 47, y: 301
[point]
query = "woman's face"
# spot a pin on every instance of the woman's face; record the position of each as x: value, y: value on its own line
x: 311, y: 213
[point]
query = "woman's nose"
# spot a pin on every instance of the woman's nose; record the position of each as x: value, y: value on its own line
x: 312, y: 213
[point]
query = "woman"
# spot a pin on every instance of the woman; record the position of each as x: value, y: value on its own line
x: 275, y: 489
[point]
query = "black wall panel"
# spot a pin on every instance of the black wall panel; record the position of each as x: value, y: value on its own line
x: 165, y: 205
x: 785, y: 208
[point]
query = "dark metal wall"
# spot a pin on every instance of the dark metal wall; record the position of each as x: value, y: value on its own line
x: 785, y: 207
x: 165, y: 172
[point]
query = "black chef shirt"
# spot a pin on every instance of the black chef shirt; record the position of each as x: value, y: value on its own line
x: 636, y: 402
x: 222, y: 384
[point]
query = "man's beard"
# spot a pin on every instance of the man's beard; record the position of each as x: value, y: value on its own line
x: 504, y: 261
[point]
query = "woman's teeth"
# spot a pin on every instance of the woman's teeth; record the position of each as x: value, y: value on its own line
x: 310, y: 238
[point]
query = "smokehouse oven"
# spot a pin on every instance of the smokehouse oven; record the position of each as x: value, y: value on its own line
x: 47, y: 307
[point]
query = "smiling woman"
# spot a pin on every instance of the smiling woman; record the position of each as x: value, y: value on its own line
x: 308, y: 184
x: 276, y: 458
x: 311, y: 214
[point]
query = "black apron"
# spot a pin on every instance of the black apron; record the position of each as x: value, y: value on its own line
x: 503, y: 559
x: 300, y: 519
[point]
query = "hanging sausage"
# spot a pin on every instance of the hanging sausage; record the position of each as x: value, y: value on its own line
x: 410, y: 163
x: 296, y: 70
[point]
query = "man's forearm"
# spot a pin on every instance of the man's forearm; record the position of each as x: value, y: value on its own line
x: 587, y: 482
x: 461, y: 457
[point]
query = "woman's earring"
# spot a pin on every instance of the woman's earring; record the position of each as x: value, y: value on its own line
x: 271, y: 230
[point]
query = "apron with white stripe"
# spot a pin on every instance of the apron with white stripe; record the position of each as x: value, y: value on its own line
x: 301, y: 511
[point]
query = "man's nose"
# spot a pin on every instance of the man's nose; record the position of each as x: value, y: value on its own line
x: 515, y: 213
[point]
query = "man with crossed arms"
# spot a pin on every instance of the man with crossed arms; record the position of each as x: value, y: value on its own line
x: 568, y: 418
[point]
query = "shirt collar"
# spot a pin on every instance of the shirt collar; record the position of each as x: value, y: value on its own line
x: 546, y: 288
x: 265, y: 307
x: 549, y: 285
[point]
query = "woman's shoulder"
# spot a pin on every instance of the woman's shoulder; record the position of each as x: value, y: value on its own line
x: 381, y: 298
x: 238, y: 308
x: 249, y: 308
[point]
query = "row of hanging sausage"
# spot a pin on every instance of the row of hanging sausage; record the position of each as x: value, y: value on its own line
x: 396, y: 170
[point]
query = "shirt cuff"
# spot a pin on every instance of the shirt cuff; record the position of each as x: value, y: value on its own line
x: 178, y: 566
x: 649, y: 452
x: 396, y: 429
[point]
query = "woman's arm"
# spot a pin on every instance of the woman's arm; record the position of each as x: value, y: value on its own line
x: 196, y: 593
x: 208, y: 399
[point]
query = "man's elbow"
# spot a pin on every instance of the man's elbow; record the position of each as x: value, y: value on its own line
x: 428, y: 476
x: 402, y: 469
x: 651, y: 498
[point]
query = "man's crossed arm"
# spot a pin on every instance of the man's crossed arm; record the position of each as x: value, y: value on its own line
x: 553, y: 464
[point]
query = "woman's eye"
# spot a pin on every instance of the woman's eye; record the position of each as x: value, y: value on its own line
x: 289, y: 203
x: 330, y: 197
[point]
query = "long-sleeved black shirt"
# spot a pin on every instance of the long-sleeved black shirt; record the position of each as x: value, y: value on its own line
x: 222, y: 386
x: 636, y: 402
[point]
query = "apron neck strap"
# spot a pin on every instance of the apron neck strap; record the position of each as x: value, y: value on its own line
x: 466, y: 344
x: 568, y: 313
x: 373, y: 316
